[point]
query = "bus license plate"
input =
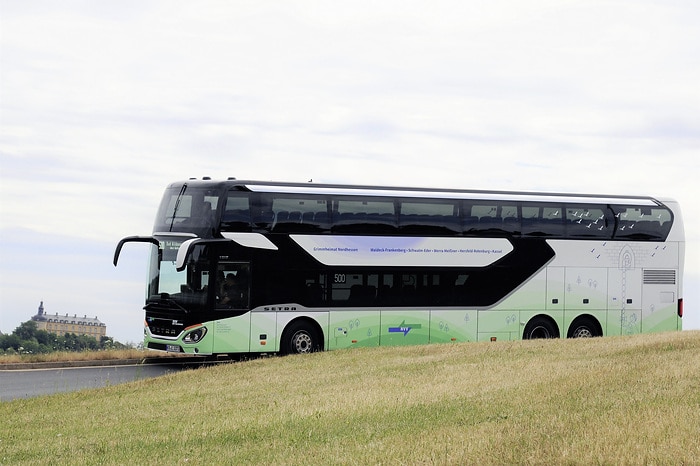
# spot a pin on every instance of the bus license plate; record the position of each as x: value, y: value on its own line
x: 172, y: 348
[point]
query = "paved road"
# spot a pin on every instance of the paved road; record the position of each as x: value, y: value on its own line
x: 28, y: 383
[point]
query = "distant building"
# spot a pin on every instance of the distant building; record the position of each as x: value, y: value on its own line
x: 60, y: 324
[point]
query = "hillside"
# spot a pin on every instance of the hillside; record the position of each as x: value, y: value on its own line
x: 615, y: 400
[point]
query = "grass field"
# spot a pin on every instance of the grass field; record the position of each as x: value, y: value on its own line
x: 615, y: 400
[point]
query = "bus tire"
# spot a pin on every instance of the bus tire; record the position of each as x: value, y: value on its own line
x: 540, y: 327
x: 300, y: 337
x: 584, y: 327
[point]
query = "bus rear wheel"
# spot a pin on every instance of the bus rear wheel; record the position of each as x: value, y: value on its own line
x: 540, y: 327
x: 584, y: 327
x: 300, y: 338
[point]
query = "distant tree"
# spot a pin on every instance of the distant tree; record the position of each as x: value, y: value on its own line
x: 107, y: 342
x: 26, y: 330
x: 44, y: 338
x: 10, y: 342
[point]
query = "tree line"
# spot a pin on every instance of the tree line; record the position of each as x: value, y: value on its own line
x: 28, y: 339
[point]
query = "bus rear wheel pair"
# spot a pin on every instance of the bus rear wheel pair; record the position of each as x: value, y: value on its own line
x: 545, y: 327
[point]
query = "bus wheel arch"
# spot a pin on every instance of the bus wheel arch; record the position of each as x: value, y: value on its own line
x: 301, y: 336
x: 541, y: 326
x: 585, y: 326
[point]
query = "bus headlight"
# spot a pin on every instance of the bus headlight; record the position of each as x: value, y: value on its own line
x: 195, y: 335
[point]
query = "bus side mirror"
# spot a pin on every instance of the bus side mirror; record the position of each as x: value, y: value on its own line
x: 185, y: 250
x: 132, y: 239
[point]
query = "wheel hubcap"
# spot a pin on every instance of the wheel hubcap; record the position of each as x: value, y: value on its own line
x: 583, y: 332
x: 302, y: 342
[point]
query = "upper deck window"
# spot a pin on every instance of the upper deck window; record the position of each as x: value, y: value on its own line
x: 364, y: 215
x: 543, y: 220
x: 236, y: 214
x: 280, y: 212
x: 299, y: 214
x: 491, y: 218
x: 588, y: 221
x: 190, y: 209
x: 429, y: 218
x: 642, y: 223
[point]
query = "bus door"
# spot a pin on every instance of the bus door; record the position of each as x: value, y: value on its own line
x: 232, y: 305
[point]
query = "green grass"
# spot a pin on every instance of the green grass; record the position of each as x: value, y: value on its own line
x: 616, y: 400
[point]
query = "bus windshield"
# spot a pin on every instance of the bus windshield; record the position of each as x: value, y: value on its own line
x: 169, y: 289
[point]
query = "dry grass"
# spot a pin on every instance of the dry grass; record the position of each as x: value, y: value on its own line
x: 64, y: 356
x: 621, y: 400
x: 59, y: 356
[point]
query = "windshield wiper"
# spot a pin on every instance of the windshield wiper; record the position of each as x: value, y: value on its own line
x: 165, y: 300
x: 177, y: 205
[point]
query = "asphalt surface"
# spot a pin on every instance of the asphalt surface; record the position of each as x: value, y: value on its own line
x: 36, y: 381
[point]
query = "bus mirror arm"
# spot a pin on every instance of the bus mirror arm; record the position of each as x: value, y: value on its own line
x: 132, y: 239
x: 185, y: 250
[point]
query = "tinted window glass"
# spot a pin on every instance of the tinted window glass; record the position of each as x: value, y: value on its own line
x: 491, y: 218
x: 542, y: 220
x: 236, y: 214
x: 642, y: 223
x: 586, y: 221
x: 429, y: 218
x: 371, y: 215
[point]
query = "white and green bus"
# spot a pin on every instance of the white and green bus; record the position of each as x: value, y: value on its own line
x: 262, y: 267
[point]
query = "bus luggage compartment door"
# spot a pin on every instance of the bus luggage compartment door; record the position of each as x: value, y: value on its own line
x: 624, y: 301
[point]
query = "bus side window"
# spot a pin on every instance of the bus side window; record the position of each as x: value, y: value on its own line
x: 233, y: 286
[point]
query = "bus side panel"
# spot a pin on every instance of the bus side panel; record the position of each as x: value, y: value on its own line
x: 405, y: 327
x: 263, y: 332
x: 530, y: 295
x: 586, y: 288
x: 231, y: 335
x: 450, y: 325
x: 555, y: 288
x: 624, y: 300
x: 624, y: 322
x: 351, y: 328
x: 504, y: 321
x: 503, y: 324
x: 660, y: 307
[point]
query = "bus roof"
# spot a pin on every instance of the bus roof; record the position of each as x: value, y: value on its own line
x: 398, y: 191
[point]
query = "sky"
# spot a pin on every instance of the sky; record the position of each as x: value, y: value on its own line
x: 102, y: 104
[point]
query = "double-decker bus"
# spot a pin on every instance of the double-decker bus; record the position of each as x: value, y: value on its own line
x: 264, y: 267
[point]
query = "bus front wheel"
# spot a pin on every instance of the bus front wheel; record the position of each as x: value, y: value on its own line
x: 540, y: 327
x: 300, y: 338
